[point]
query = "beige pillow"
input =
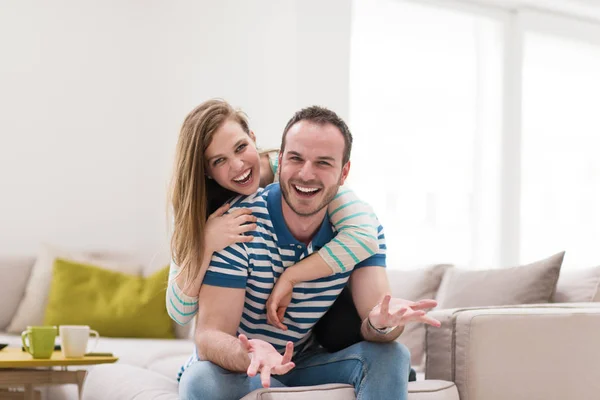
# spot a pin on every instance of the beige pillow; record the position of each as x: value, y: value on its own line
x: 33, y: 305
x: 528, y: 284
x: 416, y: 284
x: 578, y: 286
x: 14, y: 273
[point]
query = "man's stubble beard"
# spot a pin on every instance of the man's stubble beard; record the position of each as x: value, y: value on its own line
x: 328, y: 197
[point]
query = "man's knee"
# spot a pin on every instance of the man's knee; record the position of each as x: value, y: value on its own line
x: 205, y: 380
x: 389, y: 354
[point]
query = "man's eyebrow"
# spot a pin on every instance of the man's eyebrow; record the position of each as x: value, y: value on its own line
x: 320, y: 158
x: 234, y: 146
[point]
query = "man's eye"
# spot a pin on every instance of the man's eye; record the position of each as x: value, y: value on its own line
x: 324, y: 163
x: 295, y: 158
x: 241, y: 147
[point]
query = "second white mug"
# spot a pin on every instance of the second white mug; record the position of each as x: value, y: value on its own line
x: 74, y: 340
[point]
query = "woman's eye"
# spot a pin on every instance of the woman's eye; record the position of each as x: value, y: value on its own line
x: 218, y: 161
x: 241, y: 147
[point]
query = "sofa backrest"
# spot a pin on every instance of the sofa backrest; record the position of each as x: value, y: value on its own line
x: 14, y: 274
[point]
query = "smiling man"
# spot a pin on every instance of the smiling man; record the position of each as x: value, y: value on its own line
x: 237, y: 351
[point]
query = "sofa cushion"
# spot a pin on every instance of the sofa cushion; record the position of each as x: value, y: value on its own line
x: 576, y: 286
x: 32, y: 307
x: 125, y: 382
x: 420, y: 390
x: 528, y: 284
x: 417, y: 284
x: 15, y: 271
x: 113, y: 303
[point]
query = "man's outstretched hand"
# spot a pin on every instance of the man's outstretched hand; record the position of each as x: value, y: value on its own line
x: 266, y: 359
x: 398, y: 312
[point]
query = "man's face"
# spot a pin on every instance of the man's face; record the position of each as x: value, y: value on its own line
x: 310, y: 168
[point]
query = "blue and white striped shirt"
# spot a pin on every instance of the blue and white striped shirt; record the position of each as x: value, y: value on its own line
x: 255, y: 266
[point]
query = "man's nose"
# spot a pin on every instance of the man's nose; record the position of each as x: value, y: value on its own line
x: 306, y: 172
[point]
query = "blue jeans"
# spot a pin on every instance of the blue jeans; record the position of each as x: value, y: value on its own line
x: 376, y: 370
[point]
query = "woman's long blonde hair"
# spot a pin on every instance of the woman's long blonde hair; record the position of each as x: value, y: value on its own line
x: 192, y: 195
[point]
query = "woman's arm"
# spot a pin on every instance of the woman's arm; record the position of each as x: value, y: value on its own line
x: 355, y: 242
x: 221, y: 230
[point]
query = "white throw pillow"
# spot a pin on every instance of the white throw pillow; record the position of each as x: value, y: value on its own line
x: 14, y: 274
x: 33, y: 305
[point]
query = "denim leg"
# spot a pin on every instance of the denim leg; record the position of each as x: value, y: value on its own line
x: 376, y: 370
x: 207, y: 381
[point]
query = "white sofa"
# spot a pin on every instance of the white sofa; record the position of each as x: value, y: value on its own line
x: 546, y: 351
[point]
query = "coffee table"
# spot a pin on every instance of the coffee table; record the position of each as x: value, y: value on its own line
x: 19, y: 368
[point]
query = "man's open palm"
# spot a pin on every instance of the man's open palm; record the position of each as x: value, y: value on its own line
x: 398, y: 312
x: 266, y: 359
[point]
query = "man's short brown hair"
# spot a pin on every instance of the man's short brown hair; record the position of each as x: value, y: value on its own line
x: 321, y: 116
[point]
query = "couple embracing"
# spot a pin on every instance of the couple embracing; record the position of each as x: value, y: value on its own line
x: 273, y: 256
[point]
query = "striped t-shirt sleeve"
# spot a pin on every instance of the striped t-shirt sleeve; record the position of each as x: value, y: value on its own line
x: 357, y: 239
x: 228, y: 267
x: 180, y: 307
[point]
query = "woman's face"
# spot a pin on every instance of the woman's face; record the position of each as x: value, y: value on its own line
x: 232, y: 159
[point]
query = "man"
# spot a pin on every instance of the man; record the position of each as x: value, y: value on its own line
x: 237, y: 351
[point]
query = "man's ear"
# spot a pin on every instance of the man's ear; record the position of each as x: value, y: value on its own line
x: 345, y: 171
x: 253, y: 136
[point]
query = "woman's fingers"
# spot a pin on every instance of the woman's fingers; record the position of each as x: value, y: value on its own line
x: 240, y: 211
x: 246, y: 228
x: 245, y: 218
x: 244, y: 238
x: 220, y: 211
x: 280, y: 315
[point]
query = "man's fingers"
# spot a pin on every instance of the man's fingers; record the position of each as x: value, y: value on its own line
x: 265, y: 376
x: 289, y: 352
x: 245, y: 342
x: 424, y: 304
x: 385, y: 305
x: 254, y: 367
x: 283, y: 369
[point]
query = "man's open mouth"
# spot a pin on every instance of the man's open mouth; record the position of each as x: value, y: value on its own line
x: 245, y: 178
x: 306, y: 191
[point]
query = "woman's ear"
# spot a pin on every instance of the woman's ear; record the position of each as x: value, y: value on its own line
x: 253, y: 136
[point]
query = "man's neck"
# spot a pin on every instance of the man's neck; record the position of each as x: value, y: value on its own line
x: 302, y: 228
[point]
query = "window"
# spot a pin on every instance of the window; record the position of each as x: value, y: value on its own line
x: 421, y: 78
x: 560, y: 190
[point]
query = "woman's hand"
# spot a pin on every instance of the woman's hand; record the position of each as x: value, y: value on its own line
x: 266, y: 360
x: 223, y: 230
x: 278, y: 301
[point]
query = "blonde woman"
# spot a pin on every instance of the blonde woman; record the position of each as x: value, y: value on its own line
x: 216, y: 160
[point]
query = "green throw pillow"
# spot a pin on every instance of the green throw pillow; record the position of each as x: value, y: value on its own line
x: 113, y: 303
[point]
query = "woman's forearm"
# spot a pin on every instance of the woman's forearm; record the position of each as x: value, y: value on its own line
x: 308, y: 269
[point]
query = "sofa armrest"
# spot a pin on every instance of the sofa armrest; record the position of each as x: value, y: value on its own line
x: 546, y: 351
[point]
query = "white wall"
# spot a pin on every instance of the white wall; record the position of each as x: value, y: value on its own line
x: 92, y: 95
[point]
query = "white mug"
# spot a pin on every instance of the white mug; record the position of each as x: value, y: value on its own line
x: 74, y: 340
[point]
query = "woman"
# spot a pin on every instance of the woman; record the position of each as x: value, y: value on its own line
x: 216, y: 160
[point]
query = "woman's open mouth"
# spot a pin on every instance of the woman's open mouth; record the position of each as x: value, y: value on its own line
x: 305, y: 191
x: 245, y: 178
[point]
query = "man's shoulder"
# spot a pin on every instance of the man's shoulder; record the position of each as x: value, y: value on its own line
x: 257, y: 199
